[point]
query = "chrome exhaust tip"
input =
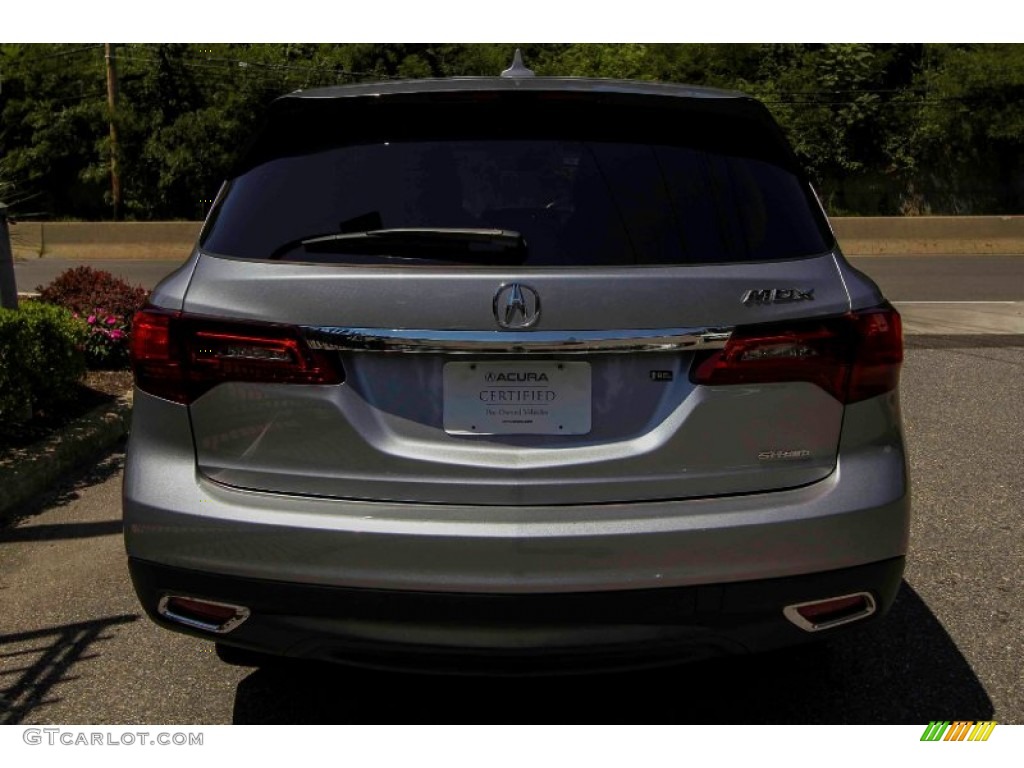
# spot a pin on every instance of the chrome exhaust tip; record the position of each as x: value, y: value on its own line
x: 818, y: 615
x: 205, y: 615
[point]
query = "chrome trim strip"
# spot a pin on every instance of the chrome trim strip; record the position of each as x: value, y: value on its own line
x: 790, y: 612
x: 514, y: 343
x: 241, y: 614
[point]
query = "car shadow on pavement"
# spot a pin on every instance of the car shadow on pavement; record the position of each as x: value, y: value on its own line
x: 905, y: 669
x: 32, y: 663
x: 52, y: 531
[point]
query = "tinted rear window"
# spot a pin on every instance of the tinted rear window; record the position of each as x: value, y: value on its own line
x: 576, y: 200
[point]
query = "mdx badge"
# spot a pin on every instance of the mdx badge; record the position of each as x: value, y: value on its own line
x: 516, y: 306
x: 777, y: 295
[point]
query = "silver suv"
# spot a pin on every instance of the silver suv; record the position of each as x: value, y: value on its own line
x: 519, y: 371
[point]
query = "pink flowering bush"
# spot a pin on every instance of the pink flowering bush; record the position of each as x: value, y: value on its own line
x: 106, y: 341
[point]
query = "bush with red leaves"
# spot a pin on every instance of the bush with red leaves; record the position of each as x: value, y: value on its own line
x: 82, y: 289
x: 105, y: 303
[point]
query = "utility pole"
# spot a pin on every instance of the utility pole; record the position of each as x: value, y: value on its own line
x: 115, y: 176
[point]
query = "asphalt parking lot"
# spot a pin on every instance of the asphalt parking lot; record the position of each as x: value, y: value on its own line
x: 74, y: 647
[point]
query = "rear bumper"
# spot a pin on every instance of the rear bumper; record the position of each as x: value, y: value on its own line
x: 717, y: 571
x: 175, y: 517
x: 542, y: 632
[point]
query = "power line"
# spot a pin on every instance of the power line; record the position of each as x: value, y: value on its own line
x: 211, y: 62
x: 892, y: 103
x: 72, y: 51
x: 273, y: 76
x: 79, y: 97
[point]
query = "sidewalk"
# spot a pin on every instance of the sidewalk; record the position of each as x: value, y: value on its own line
x: 962, y: 318
x: 31, y: 471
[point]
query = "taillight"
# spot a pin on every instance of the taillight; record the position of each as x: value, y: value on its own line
x: 852, y: 357
x: 179, y: 357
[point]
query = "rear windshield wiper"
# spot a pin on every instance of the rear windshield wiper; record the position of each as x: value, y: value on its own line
x: 411, y: 242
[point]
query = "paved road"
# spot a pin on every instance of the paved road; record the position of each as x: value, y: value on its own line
x: 902, y: 278
x: 32, y: 273
x: 75, y: 649
x: 946, y: 278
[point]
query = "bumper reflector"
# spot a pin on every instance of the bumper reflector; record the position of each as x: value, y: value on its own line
x: 817, y: 615
x: 205, y: 615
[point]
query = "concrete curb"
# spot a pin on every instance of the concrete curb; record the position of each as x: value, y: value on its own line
x: 44, y: 463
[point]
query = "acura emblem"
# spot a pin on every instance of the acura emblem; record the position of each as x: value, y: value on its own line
x: 516, y: 306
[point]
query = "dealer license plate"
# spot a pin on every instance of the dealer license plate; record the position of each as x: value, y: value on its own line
x: 517, y: 398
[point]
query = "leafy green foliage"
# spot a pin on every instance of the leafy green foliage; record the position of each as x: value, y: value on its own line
x: 969, y: 128
x: 883, y: 129
x: 41, y: 358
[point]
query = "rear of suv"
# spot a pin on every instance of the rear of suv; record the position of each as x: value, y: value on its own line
x: 516, y: 371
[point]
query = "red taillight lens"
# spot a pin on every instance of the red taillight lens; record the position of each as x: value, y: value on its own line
x: 150, y: 336
x: 156, y: 355
x: 879, y: 353
x: 852, y: 357
x: 179, y: 357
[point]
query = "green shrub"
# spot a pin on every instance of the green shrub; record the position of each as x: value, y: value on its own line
x: 41, y: 358
x: 106, y: 304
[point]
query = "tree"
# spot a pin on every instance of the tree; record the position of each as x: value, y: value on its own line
x: 970, y: 129
x: 883, y: 129
x: 52, y: 118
